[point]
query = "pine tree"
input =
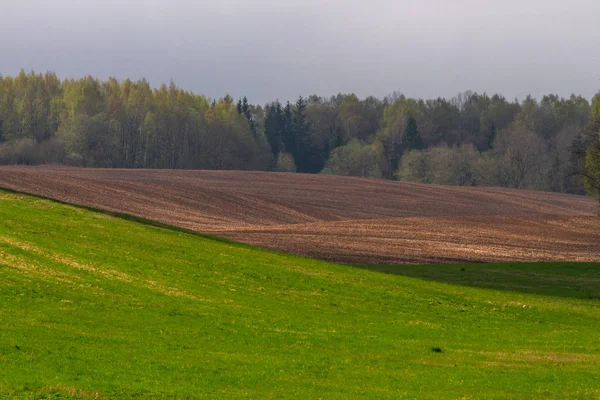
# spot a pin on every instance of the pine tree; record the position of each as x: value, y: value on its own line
x: 412, y: 138
x: 239, y: 107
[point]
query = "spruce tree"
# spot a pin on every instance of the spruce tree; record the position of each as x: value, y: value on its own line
x: 412, y: 138
x: 304, y: 149
x: 274, y: 128
x: 244, y: 108
x: 287, y: 131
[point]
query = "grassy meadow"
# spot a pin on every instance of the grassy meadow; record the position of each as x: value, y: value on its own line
x: 96, y: 306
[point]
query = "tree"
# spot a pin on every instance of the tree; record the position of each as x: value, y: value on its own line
x: 492, y: 136
x: 592, y: 164
x: 249, y: 117
x: 287, y: 131
x: 440, y: 165
x: 307, y: 161
x: 591, y: 167
x: 412, y: 137
x: 415, y: 166
x: 246, y: 109
x: 325, y: 130
x: 393, y: 131
x: 274, y: 128
x: 519, y: 160
x: 285, y: 163
x: 356, y: 159
x: 566, y: 149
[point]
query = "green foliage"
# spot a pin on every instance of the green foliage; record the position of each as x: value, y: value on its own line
x: 274, y: 127
x: 591, y: 164
x: 596, y: 107
x: 98, y: 307
x: 440, y: 165
x: 416, y: 167
x: 285, y: 163
x: 356, y: 159
x: 128, y: 124
x: 306, y: 153
x: 552, y: 114
x: 288, y: 136
x: 243, y: 108
x: 592, y: 160
x: 412, y: 137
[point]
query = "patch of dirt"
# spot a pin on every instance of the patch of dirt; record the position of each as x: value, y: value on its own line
x: 342, y: 219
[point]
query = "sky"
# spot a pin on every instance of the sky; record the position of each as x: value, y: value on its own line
x: 277, y: 49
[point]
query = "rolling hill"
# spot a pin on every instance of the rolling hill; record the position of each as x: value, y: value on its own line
x: 340, y: 219
x: 98, y: 307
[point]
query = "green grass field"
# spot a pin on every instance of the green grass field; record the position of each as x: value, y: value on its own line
x: 93, y: 306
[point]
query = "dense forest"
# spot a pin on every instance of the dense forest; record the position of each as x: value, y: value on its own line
x: 472, y: 139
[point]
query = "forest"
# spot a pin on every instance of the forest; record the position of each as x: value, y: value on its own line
x: 472, y: 139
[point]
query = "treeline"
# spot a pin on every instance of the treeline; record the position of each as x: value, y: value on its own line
x: 91, y: 123
x: 471, y: 139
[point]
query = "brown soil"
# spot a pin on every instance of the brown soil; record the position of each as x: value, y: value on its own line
x: 337, y: 218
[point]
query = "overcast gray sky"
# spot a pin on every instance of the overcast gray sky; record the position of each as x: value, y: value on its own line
x: 268, y: 49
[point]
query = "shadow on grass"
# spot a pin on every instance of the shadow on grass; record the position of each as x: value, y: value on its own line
x: 564, y: 279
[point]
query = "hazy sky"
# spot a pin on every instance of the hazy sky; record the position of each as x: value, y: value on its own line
x: 268, y: 49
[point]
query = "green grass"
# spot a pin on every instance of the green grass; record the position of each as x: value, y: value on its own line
x: 97, y: 306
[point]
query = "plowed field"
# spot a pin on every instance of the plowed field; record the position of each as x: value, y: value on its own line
x: 337, y: 218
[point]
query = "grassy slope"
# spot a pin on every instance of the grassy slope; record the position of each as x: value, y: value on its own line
x: 95, y: 304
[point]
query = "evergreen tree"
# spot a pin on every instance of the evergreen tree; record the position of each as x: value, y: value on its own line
x: 412, y: 137
x: 239, y: 107
x: 287, y: 133
x: 274, y: 128
x: 300, y: 124
x: 307, y: 157
x: 244, y: 108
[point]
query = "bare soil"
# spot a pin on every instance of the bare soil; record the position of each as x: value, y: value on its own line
x: 341, y: 219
